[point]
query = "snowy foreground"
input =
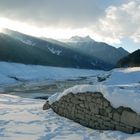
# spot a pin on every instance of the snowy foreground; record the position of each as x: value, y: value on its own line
x: 23, y: 118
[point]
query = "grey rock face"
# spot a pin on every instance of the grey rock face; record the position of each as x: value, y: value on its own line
x: 46, y: 106
x: 94, y: 111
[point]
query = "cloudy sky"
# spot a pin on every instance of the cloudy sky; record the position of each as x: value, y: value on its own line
x: 116, y: 22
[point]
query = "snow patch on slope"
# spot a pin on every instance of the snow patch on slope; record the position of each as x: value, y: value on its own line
x: 26, y: 41
x: 54, y: 51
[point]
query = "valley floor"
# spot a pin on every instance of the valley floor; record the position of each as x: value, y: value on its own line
x: 22, y: 117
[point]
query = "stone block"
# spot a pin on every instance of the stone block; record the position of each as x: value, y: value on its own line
x: 93, y: 108
x: 105, y: 103
x: 99, y: 101
x: 105, y: 118
x: 103, y: 112
x: 82, y: 105
x: 46, y: 106
x: 109, y: 125
x: 74, y: 101
x: 89, y: 98
x: 86, y: 105
x: 130, y: 118
x: 109, y: 109
x: 124, y: 129
x: 82, y: 97
x: 116, y: 116
x: 69, y: 96
x: 97, y: 95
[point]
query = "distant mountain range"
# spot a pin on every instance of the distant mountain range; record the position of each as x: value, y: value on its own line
x: 77, y: 52
x: 132, y: 60
x: 100, y: 50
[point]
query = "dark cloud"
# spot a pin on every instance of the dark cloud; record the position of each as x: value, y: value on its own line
x: 78, y: 13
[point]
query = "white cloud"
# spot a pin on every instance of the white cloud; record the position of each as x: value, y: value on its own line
x: 119, y: 23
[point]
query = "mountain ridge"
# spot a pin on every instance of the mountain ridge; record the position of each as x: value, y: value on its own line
x: 21, y: 48
x: 101, y: 50
x: 79, y: 52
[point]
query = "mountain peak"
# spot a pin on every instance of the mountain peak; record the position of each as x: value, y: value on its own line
x: 122, y: 50
x: 81, y: 39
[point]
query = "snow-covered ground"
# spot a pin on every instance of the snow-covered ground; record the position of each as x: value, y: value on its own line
x: 127, y: 76
x: 23, y: 118
x: 10, y: 71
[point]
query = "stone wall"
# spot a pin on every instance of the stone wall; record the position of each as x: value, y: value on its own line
x: 94, y: 111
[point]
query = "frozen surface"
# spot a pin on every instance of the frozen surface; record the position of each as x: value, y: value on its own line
x: 126, y: 76
x: 23, y: 118
x: 8, y: 72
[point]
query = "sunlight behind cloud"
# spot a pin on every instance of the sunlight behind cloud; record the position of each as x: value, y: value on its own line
x: 1, y: 30
x: 49, y: 32
x: 18, y: 26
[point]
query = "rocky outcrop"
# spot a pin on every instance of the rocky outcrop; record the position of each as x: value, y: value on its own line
x: 94, y: 111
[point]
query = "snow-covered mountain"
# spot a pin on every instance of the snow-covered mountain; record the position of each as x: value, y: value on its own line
x: 21, y: 48
x: 100, y: 50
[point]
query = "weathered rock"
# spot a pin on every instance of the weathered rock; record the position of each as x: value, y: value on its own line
x: 116, y: 116
x: 93, y: 108
x: 46, y: 106
x: 94, y: 111
x: 130, y: 118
